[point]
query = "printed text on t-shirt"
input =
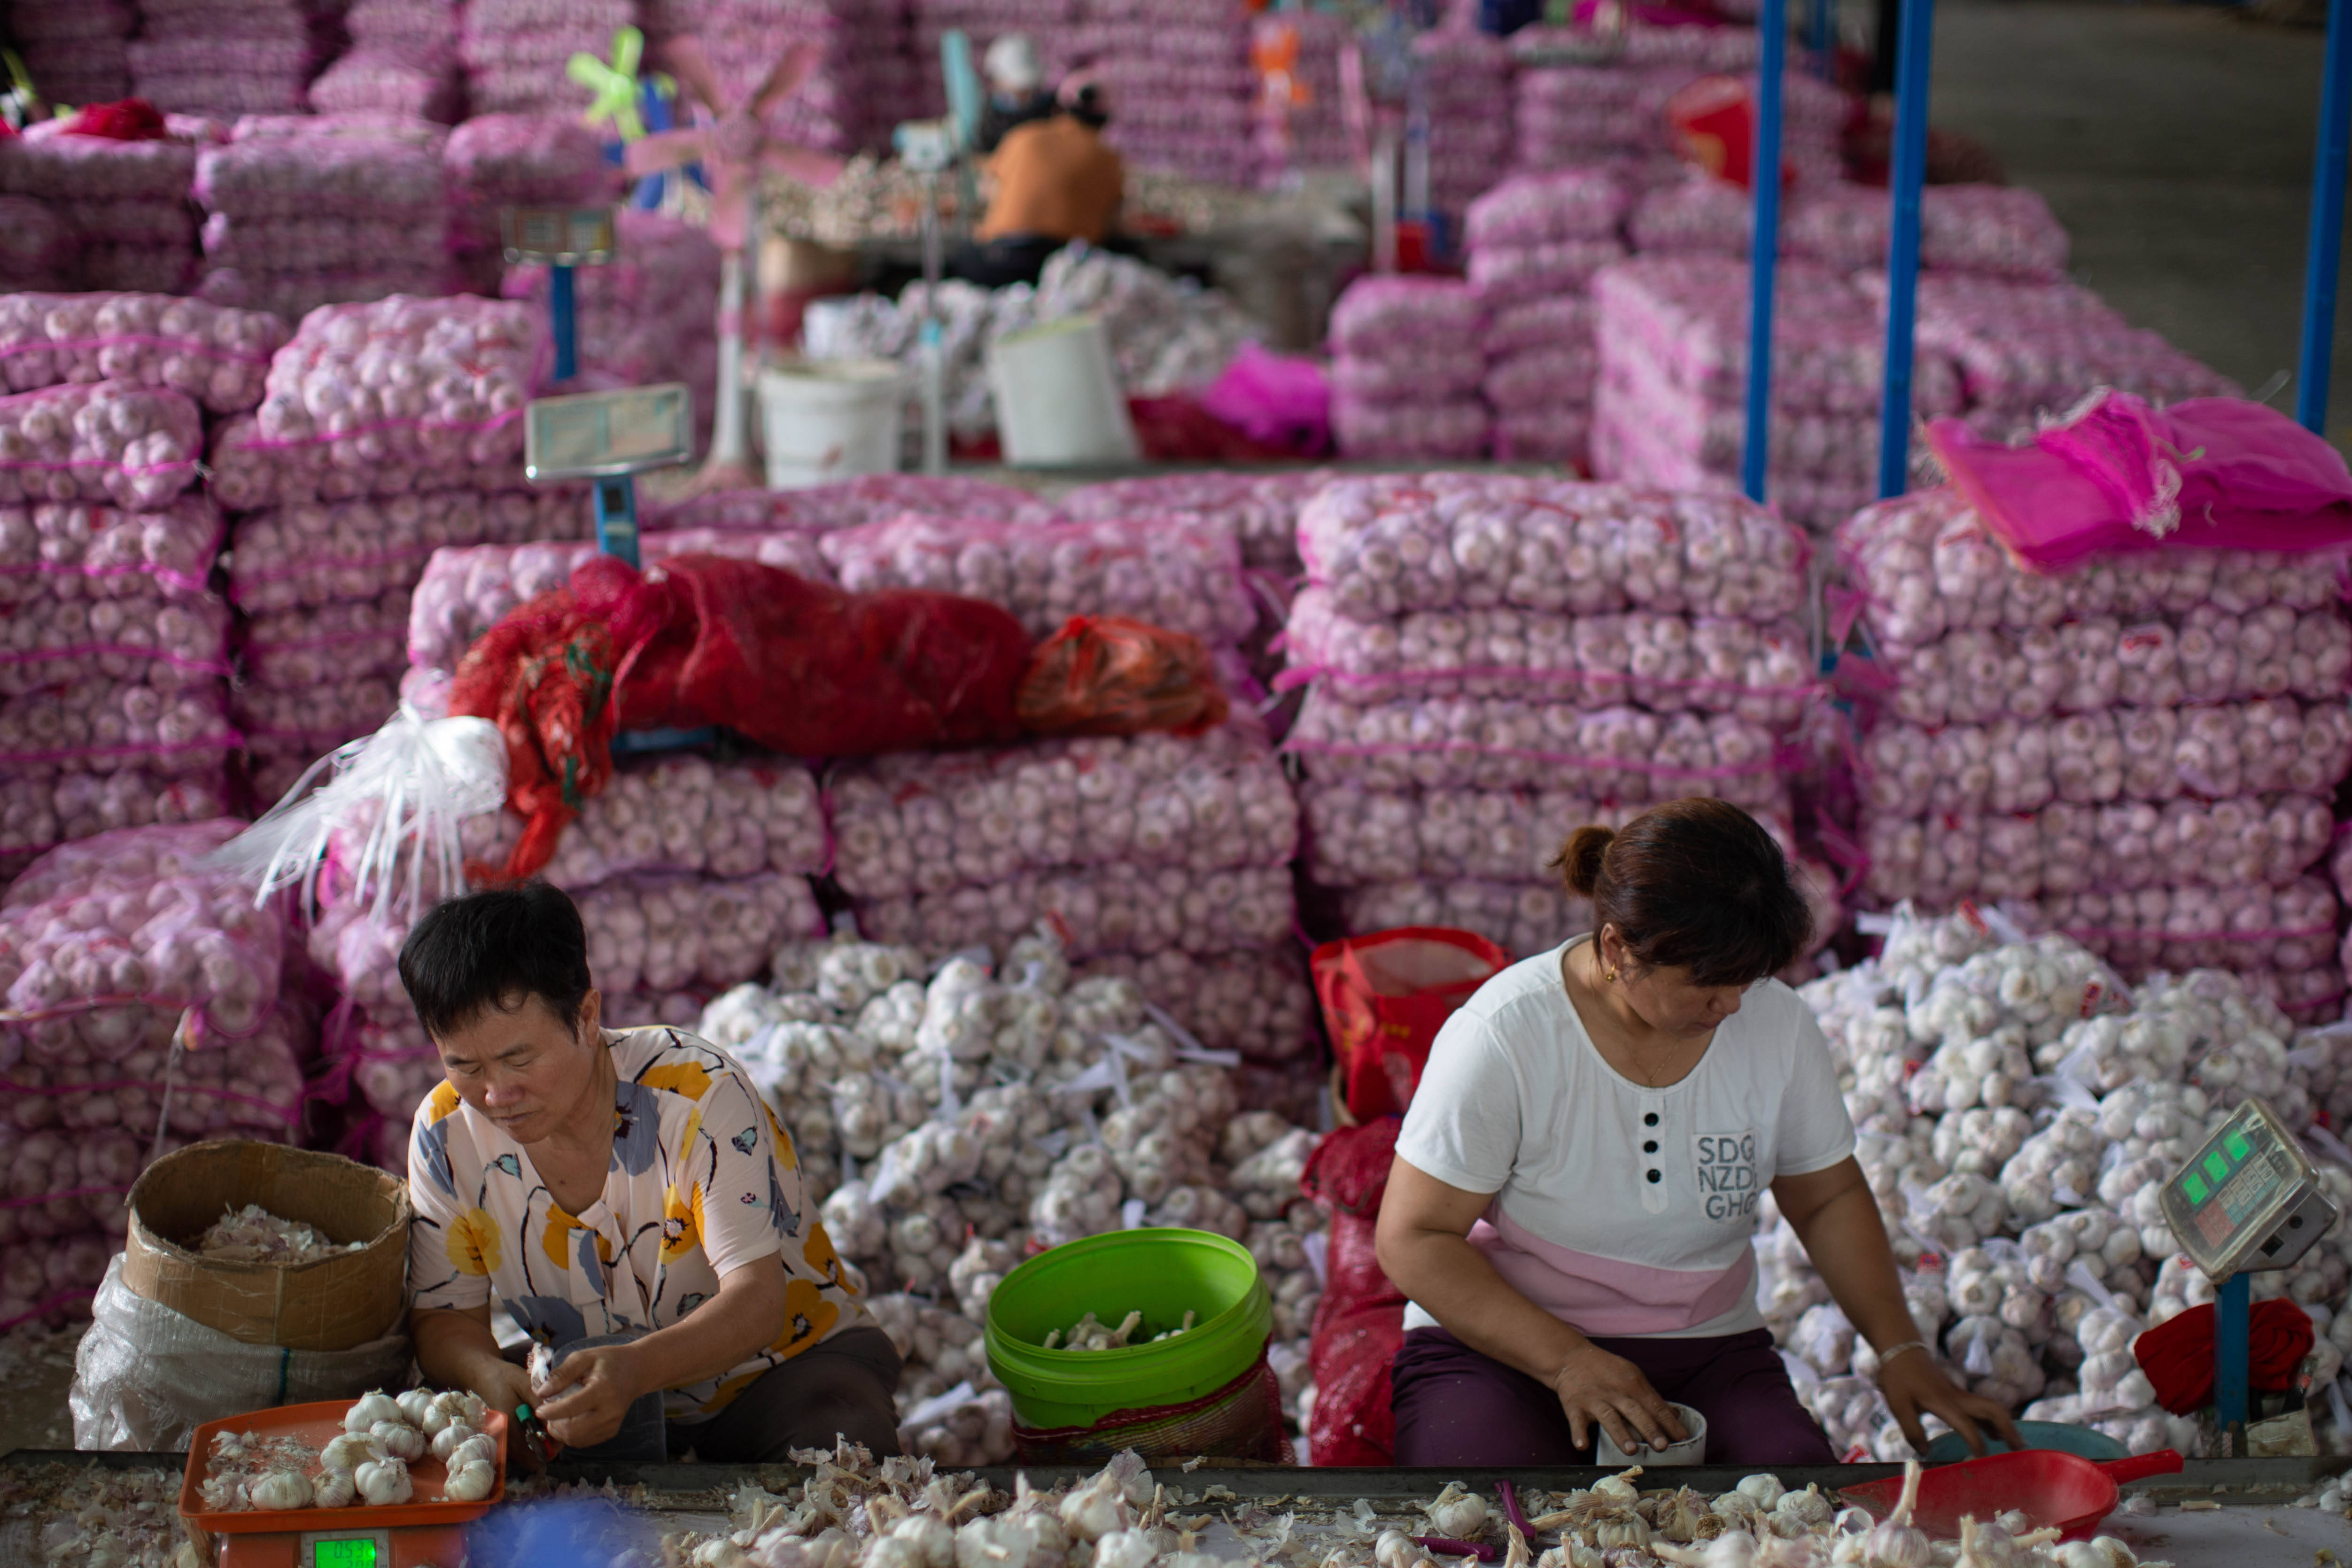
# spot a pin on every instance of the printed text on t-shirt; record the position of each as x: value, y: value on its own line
x: 1727, y: 1173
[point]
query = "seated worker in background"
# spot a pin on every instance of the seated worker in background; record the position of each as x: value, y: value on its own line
x: 1056, y: 182
x: 630, y: 1201
x: 1016, y: 89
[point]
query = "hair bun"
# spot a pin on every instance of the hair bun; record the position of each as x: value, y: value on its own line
x: 1579, y: 859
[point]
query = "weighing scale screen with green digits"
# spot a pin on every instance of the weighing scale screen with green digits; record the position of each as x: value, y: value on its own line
x: 2227, y: 1186
x: 2248, y: 1198
x: 346, y: 1552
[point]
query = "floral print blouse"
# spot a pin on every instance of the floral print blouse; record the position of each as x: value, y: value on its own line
x: 704, y: 1179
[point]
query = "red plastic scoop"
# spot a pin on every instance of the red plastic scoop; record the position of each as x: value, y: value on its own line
x: 2047, y: 1486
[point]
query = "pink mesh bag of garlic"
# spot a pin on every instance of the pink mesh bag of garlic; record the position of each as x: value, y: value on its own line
x: 1666, y: 662
x: 1106, y: 908
x: 421, y: 83
x: 2123, y: 846
x: 845, y: 503
x: 1523, y: 918
x: 70, y: 550
x: 386, y: 398
x: 1261, y: 509
x: 922, y: 823
x: 219, y: 357
x: 314, y: 554
x: 1259, y: 1004
x: 2005, y: 230
x: 100, y: 726
x: 1604, y: 753
x: 244, y: 1087
x: 38, y: 813
x: 393, y: 1066
x: 102, y: 933
x: 1451, y: 429
x: 2148, y: 754
x: 1507, y: 275
x: 134, y: 447
x: 1534, y: 209
x: 464, y: 592
x: 38, y: 248
x: 155, y: 639
x: 314, y: 646
x: 1355, y: 834
x: 1384, y: 544
x: 323, y: 167
x: 1184, y: 579
x: 314, y: 719
x: 47, y: 161
x: 2286, y: 929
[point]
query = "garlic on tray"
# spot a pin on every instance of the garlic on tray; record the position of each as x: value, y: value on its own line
x: 470, y: 1482
x: 369, y: 1409
x: 280, y: 1490
x: 381, y: 1483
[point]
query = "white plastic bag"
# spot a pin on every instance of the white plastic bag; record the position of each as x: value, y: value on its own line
x: 147, y: 1376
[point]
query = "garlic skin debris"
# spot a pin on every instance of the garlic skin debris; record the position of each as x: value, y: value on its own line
x: 347, y: 1453
x: 280, y: 1490
x: 369, y: 1409
x: 383, y: 1482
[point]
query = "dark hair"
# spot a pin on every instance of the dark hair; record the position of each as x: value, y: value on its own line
x: 1696, y: 883
x: 492, y: 952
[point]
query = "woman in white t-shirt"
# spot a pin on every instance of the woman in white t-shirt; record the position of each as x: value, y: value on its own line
x: 1577, y: 1181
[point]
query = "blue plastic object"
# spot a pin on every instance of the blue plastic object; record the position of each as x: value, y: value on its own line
x: 1764, y: 246
x: 616, y: 517
x: 562, y: 322
x: 2231, y: 1356
x: 2325, y: 250
x: 2095, y: 1446
x: 1913, y: 52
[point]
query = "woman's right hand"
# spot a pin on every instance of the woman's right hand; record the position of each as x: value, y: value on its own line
x: 501, y: 1385
x: 1600, y: 1389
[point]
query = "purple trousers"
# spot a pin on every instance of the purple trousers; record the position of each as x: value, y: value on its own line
x: 1458, y: 1409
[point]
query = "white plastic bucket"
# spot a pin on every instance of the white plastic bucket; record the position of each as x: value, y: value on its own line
x: 829, y: 419
x: 1057, y: 396
x: 1691, y: 1450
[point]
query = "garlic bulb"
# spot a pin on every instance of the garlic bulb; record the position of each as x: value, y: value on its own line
x: 345, y: 1453
x: 381, y: 1483
x: 399, y: 1439
x: 1394, y: 1549
x: 1894, y: 1543
x: 452, y: 1434
x: 1619, y: 1488
x: 480, y: 1446
x: 1808, y: 1508
x: 1616, y: 1529
x: 413, y: 1403
x: 460, y: 1406
x: 280, y: 1490
x: 1763, y: 1490
x: 1458, y: 1515
x: 470, y: 1482
x: 369, y: 1409
x: 333, y: 1488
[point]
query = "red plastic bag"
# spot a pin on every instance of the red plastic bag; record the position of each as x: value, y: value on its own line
x: 1360, y: 1321
x: 128, y: 120
x: 1385, y: 996
x: 2210, y: 473
x: 1107, y: 675
x: 1713, y: 125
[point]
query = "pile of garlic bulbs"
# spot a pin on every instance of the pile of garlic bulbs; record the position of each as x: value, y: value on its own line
x: 959, y: 1115
x: 2018, y: 1107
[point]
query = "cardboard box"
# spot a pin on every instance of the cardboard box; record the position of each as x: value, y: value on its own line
x: 327, y: 1304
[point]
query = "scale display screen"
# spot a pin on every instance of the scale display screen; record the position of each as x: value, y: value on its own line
x: 2248, y: 1198
x: 559, y: 236
x: 599, y: 434
x: 347, y: 1552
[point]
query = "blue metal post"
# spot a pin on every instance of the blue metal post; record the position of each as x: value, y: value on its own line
x: 1818, y: 34
x: 562, y: 320
x: 2326, y: 225
x: 1910, y: 170
x: 1764, y: 246
x: 2231, y: 1357
x: 616, y: 517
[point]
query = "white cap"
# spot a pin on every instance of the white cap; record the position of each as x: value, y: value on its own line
x: 1011, y: 63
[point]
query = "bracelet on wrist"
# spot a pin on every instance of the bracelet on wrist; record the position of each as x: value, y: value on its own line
x: 1890, y: 1351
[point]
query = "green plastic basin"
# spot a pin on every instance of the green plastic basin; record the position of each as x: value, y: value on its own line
x: 1163, y: 1274
x: 2095, y: 1446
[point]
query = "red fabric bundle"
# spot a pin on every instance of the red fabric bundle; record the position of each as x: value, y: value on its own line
x: 1360, y: 1321
x: 131, y: 120
x: 2178, y: 1353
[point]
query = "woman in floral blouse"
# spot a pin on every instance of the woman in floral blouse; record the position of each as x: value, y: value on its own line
x: 607, y: 1186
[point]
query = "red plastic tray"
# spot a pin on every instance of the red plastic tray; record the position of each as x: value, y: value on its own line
x: 2047, y: 1486
x: 316, y: 1425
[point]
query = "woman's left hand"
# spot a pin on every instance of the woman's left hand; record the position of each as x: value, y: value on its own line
x: 1914, y: 1384
x: 590, y: 1394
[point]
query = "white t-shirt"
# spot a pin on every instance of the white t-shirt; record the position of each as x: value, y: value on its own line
x: 1621, y: 1209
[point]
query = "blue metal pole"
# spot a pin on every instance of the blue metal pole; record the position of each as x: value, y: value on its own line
x: 2231, y: 1357
x: 562, y: 319
x: 1818, y: 38
x: 616, y: 517
x: 2325, y: 246
x: 1764, y: 246
x: 1910, y: 170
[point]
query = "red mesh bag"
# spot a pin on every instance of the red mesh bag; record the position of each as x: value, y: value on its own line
x: 1360, y: 1321
x: 1107, y: 675
x: 1241, y: 1420
x: 1384, y: 998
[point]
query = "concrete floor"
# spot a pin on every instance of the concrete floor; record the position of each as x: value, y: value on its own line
x: 2174, y: 143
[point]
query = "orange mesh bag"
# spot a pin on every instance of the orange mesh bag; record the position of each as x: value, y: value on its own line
x: 1106, y: 674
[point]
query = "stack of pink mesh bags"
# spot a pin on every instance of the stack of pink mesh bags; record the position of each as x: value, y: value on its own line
x: 1408, y: 356
x: 227, y: 57
x: 1182, y: 90
x: 860, y: 89
x: 1493, y: 660
x: 113, y: 664
x: 1466, y: 76
x: 310, y: 210
x: 2140, y: 753
x: 1575, y: 103
x: 514, y: 52
x: 1535, y: 242
x: 403, y: 60
x: 388, y: 429
x: 95, y: 213
x: 142, y: 1008
x: 1673, y: 338
x: 75, y: 49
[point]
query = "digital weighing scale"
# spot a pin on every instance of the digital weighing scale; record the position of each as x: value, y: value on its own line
x: 608, y: 437
x: 2246, y: 1202
x: 559, y: 239
x: 414, y: 1534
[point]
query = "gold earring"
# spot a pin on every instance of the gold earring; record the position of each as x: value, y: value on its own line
x: 1610, y: 975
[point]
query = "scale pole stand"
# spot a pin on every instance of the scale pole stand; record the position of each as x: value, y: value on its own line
x: 562, y: 319
x: 616, y: 517
x: 2231, y: 1356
